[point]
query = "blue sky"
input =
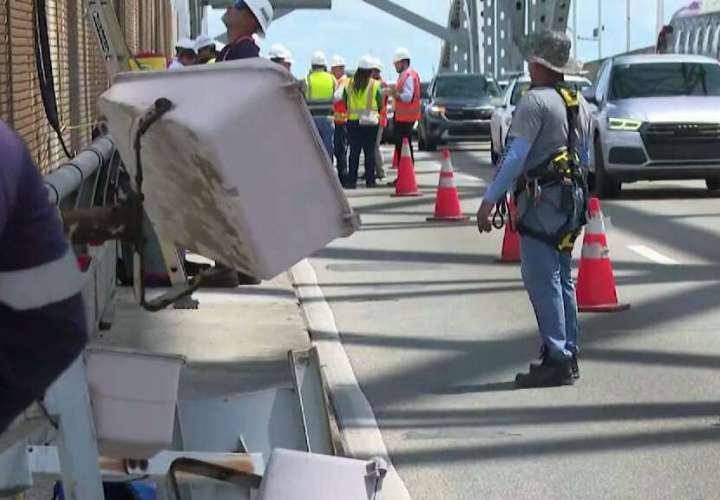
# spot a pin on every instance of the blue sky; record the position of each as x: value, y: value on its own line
x: 353, y: 28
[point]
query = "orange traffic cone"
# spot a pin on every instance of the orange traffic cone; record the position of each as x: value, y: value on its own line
x: 447, y: 203
x: 511, y: 241
x: 406, y: 184
x: 396, y: 159
x: 596, y: 290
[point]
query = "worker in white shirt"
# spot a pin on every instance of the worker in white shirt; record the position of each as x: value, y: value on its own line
x: 407, y: 100
x: 185, y: 54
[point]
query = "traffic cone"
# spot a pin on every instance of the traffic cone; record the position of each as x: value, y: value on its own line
x: 447, y: 203
x: 511, y: 241
x: 596, y: 290
x: 396, y: 159
x: 406, y: 184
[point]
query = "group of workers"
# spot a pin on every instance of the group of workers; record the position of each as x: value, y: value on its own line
x: 351, y: 112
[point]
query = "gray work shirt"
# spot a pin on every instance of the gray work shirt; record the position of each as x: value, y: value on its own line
x: 541, y: 119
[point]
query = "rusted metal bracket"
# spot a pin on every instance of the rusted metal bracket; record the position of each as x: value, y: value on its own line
x: 100, y: 224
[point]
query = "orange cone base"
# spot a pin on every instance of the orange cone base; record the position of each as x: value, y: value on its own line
x: 459, y: 218
x: 608, y: 308
x: 510, y: 253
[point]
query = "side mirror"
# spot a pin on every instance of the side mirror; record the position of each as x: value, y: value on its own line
x: 589, y: 95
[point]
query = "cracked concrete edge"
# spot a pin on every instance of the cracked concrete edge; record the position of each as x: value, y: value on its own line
x: 360, y: 434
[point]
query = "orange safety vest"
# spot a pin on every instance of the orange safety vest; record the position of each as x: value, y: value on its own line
x: 408, y: 112
x: 339, y: 107
x: 383, y: 111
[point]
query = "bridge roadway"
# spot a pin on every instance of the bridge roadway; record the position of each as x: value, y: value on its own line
x: 436, y: 332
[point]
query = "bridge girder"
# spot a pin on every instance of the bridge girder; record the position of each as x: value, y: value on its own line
x: 506, y: 22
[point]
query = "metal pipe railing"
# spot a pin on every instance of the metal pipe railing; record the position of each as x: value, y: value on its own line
x: 68, y: 177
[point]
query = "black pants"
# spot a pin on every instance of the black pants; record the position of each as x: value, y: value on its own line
x: 361, y: 139
x: 341, y: 153
x: 403, y: 130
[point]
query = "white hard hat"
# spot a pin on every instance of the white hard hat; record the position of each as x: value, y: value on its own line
x: 287, y: 56
x: 263, y: 12
x: 277, y: 51
x: 366, y: 62
x: 377, y: 64
x: 203, y: 41
x: 337, y: 61
x: 185, y: 43
x: 318, y: 59
x: 401, y: 54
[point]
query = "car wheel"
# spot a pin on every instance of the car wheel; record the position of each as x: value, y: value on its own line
x: 605, y: 186
x: 713, y: 183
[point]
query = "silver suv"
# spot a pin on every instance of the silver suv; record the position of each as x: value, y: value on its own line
x: 658, y: 117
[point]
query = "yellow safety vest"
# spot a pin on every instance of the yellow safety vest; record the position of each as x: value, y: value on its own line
x: 363, y: 103
x: 341, y: 115
x: 320, y: 92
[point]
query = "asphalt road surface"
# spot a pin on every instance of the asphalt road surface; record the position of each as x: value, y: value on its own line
x: 436, y: 331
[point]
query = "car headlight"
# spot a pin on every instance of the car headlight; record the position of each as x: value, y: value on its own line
x: 624, y: 124
x: 437, y: 110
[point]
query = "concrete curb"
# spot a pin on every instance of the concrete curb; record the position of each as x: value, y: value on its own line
x: 360, y: 434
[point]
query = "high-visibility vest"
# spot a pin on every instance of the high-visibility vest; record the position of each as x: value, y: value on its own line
x: 363, y: 102
x: 408, y: 112
x: 341, y: 112
x: 320, y: 92
x: 383, y: 111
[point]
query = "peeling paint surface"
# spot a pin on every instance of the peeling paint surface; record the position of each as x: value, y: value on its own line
x: 236, y: 171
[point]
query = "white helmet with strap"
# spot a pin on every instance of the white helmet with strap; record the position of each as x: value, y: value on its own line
x: 185, y: 43
x: 366, y: 62
x: 401, y: 54
x: 318, y: 59
x: 277, y: 51
x: 337, y: 61
x: 261, y: 9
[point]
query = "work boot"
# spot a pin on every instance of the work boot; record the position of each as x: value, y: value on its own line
x: 574, y: 367
x: 551, y: 373
x: 543, y: 354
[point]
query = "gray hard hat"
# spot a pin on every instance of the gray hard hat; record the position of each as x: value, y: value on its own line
x: 552, y: 50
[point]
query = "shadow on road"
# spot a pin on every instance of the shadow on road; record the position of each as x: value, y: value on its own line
x: 667, y: 193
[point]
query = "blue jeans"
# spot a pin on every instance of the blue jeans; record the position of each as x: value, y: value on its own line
x: 547, y: 274
x: 341, y: 151
x: 326, y: 127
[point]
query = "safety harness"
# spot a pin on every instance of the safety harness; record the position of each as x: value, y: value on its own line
x: 563, y: 168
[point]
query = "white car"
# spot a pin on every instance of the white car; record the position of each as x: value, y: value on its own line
x: 502, y: 116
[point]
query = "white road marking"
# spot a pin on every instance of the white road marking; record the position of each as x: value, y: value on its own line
x: 360, y: 433
x: 652, y: 255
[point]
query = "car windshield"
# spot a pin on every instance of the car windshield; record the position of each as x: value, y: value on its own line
x: 522, y: 88
x: 664, y: 80
x: 472, y: 86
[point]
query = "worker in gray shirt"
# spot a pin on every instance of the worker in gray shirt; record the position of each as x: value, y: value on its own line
x: 545, y: 165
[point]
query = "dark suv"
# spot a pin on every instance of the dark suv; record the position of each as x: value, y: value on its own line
x: 459, y: 109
